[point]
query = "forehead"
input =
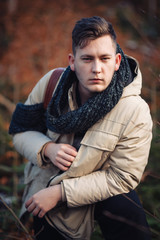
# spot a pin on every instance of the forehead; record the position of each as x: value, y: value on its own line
x: 102, y: 45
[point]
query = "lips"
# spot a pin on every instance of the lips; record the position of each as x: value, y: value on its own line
x: 96, y: 80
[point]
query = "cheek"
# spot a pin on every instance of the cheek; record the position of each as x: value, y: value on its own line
x: 80, y: 70
x: 72, y: 67
x: 109, y: 70
x: 80, y: 76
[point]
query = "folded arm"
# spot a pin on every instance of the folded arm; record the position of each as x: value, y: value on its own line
x: 127, y: 163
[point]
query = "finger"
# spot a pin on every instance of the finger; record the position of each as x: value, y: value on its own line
x: 64, y: 162
x: 64, y: 156
x: 28, y: 202
x: 41, y: 214
x: 70, y: 150
x: 36, y: 211
x: 31, y: 207
x: 61, y: 167
x: 71, y: 147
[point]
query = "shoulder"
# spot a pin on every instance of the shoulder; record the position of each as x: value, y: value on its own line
x: 134, y: 105
x: 132, y: 110
x: 128, y: 113
x: 38, y: 92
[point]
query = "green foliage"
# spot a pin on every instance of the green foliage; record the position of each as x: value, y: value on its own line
x: 149, y: 189
x: 4, y: 137
x: 97, y: 235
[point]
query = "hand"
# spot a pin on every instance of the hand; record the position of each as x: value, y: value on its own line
x: 61, y: 155
x: 44, y: 200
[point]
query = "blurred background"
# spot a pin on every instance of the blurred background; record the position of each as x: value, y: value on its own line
x: 35, y: 37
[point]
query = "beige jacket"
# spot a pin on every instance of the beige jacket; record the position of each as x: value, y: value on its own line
x: 110, y: 161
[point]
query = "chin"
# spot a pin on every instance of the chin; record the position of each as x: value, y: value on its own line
x: 97, y: 90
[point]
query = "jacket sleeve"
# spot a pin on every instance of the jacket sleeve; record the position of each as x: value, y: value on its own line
x: 127, y: 163
x: 30, y: 143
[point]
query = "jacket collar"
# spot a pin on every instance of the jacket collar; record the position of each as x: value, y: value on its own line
x: 134, y: 88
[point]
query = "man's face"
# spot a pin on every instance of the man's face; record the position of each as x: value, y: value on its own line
x: 94, y: 65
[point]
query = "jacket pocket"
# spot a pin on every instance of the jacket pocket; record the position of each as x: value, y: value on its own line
x: 94, y: 152
x: 100, y: 140
x: 104, y: 144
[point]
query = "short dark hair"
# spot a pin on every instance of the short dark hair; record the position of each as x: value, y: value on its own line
x: 88, y: 29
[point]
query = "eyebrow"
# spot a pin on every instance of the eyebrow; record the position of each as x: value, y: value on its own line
x: 88, y: 55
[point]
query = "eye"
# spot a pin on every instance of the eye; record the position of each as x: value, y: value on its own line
x: 105, y: 59
x: 86, y: 59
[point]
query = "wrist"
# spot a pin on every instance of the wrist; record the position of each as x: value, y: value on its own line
x: 57, y: 190
x: 45, y: 149
x: 45, y: 158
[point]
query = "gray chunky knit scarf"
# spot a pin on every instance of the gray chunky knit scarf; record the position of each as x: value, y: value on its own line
x: 93, y: 110
x: 31, y: 117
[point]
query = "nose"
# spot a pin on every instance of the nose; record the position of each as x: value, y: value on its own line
x: 96, y: 67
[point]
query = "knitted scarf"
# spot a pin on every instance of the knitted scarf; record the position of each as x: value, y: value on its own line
x: 31, y: 117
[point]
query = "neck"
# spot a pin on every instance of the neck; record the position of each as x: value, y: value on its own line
x: 83, y: 94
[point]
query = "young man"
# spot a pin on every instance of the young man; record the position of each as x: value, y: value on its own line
x: 88, y: 151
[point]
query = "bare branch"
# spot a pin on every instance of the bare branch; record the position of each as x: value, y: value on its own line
x: 7, y: 103
x: 17, y: 219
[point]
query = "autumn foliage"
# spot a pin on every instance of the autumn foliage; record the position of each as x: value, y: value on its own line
x: 35, y: 37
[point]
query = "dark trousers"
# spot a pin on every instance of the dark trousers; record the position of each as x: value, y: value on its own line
x: 120, y: 218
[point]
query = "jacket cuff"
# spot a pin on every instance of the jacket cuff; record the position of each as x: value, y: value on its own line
x: 41, y: 159
x: 64, y: 199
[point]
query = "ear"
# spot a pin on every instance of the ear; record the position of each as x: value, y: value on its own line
x: 118, y: 61
x: 71, y: 61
